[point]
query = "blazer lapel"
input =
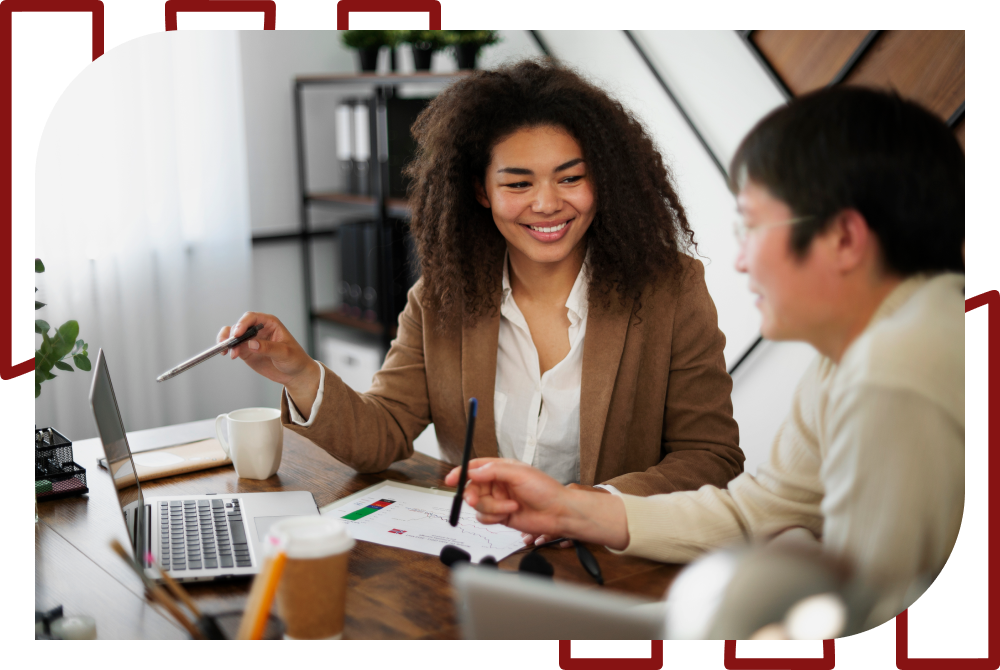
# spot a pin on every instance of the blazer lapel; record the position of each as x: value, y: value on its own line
x: 603, y: 345
x: 479, y: 371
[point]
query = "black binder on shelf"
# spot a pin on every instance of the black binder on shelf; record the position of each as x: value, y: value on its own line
x: 350, y: 285
x: 400, y: 115
x: 369, y: 256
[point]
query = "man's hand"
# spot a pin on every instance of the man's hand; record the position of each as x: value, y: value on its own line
x: 542, y: 539
x: 523, y: 498
x: 512, y: 493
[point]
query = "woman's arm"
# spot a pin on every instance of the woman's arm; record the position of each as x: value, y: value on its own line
x: 699, y: 436
x: 368, y: 431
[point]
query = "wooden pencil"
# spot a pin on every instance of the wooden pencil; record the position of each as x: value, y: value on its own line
x: 176, y: 588
x: 157, y: 593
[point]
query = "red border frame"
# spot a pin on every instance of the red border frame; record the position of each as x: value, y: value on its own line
x: 903, y: 660
x: 345, y: 7
x: 827, y: 662
x: 567, y: 662
x: 173, y: 6
x: 7, y: 368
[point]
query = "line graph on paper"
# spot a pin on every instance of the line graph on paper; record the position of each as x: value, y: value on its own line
x: 415, y: 518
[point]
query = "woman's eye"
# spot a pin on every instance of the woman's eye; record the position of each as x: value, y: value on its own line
x: 520, y: 184
x: 573, y: 179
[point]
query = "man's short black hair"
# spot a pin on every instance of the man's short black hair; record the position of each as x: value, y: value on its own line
x: 855, y: 148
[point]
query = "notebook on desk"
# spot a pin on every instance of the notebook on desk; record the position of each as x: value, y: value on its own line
x: 176, y: 459
x: 193, y: 537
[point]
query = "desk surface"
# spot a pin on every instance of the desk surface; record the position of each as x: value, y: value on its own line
x: 392, y: 593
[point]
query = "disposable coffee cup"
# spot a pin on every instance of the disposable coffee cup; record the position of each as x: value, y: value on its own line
x: 313, y: 584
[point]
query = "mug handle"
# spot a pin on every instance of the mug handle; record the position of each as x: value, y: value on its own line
x: 218, y: 434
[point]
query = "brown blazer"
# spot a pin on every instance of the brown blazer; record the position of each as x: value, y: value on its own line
x: 655, y: 408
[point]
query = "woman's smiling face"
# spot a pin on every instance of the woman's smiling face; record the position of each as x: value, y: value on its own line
x: 540, y: 193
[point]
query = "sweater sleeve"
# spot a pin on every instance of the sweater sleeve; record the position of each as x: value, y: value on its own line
x: 369, y: 431
x: 700, y: 438
x: 895, y: 490
x: 785, y: 492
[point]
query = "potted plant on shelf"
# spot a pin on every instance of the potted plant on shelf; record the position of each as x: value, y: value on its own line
x: 468, y: 43
x: 368, y: 43
x: 424, y: 43
x: 56, y: 474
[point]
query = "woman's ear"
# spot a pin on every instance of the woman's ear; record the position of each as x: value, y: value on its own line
x: 481, y: 195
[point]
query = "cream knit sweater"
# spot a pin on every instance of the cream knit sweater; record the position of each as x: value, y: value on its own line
x: 871, y: 457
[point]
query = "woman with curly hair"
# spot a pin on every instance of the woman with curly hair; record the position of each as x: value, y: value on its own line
x: 554, y: 288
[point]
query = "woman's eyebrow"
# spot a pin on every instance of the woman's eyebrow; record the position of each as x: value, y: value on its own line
x: 525, y: 171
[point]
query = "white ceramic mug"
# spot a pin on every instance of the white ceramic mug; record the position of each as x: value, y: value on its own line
x: 255, y: 439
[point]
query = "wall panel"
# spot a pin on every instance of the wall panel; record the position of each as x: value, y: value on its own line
x: 926, y: 66
x: 807, y: 59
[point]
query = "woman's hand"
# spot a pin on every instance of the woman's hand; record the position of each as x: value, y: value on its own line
x: 528, y: 500
x: 275, y: 354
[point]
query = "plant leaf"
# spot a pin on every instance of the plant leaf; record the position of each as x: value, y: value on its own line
x: 38, y: 389
x: 39, y: 266
x: 69, y: 331
x: 41, y: 327
x: 82, y: 362
x: 64, y: 366
x: 39, y: 305
x: 47, y: 375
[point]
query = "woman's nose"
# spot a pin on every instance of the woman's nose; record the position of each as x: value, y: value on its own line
x: 547, y: 199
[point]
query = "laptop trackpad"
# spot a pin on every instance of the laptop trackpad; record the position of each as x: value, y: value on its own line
x: 264, y: 523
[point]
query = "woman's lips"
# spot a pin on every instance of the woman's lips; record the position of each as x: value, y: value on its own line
x: 557, y: 230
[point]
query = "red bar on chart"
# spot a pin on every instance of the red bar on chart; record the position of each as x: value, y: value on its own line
x: 653, y: 662
x: 264, y: 7
x: 432, y: 8
x: 824, y: 662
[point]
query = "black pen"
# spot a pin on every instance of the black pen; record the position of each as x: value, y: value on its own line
x: 456, y: 506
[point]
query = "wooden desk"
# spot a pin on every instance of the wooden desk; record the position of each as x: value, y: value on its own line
x: 392, y: 593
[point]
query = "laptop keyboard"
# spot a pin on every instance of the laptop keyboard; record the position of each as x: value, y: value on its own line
x: 202, y: 534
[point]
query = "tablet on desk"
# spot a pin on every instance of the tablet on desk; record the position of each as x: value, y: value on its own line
x: 176, y: 459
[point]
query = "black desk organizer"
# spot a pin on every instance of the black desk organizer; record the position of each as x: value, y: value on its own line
x: 56, y: 475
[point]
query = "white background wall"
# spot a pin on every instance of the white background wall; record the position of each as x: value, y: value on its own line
x: 712, y: 74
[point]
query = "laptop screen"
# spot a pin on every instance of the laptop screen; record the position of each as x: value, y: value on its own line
x: 119, y: 457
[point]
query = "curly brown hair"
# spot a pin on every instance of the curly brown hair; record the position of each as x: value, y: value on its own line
x: 640, y: 228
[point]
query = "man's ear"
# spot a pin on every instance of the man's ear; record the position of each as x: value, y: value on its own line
x: 481, y: 195
x: 851, y: 240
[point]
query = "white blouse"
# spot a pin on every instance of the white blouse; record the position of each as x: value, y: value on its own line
x: 537, y: 417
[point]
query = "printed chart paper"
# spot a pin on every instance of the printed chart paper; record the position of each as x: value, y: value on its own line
x: 415, y: 518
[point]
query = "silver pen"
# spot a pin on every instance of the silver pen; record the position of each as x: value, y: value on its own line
x: 208, y: 353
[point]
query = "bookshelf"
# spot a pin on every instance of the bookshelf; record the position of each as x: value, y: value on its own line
x: 380, y: 208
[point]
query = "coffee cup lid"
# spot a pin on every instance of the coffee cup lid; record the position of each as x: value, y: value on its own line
x: 312, y: 536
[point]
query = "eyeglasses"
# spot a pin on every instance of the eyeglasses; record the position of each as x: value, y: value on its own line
x: 532, y: 562
x: 741, y: 230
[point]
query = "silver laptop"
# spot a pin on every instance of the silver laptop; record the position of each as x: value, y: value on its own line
x: 497, y: 605
x: 193, y: 537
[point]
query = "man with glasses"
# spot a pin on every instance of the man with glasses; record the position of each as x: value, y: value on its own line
x: 852, y: 221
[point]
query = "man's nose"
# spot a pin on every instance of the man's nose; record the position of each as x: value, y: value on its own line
x: 741, y: 258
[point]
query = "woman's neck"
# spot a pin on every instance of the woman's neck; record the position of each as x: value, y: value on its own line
x: 544, y: 283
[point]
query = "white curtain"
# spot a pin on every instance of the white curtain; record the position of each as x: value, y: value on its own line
x: 142, y: 221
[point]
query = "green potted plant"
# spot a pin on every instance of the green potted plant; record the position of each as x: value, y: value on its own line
x: 56, y: 474
x: 424, y: 43
x: 368, y: 43
x: 468, y: 43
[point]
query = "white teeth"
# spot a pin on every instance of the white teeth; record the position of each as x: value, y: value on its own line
x: 549, y: 230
